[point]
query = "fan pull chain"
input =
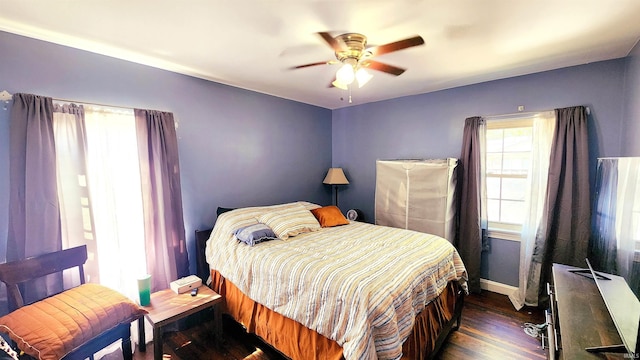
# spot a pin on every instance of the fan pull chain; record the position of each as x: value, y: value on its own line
x: 350, y: 95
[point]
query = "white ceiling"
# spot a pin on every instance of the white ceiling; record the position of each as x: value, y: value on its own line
x: 253, y: 44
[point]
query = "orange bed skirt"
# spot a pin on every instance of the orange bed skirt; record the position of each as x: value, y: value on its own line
x: 299, y: 342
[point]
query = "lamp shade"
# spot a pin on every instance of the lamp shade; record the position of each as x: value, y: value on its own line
x: 346, y: 74
x: 363, y: 77
x: 335, y: 176
x: 340, y: 85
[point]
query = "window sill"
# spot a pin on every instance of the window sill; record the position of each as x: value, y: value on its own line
x: 504, y: 235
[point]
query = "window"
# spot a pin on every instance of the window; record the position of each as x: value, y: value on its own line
x: 100, y: 194
x: 508, y: 159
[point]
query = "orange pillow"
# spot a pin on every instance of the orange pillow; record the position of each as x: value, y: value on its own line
x: 329, y: 216
x: 53, y: 327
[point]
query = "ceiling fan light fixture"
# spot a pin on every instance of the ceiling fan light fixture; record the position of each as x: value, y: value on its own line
x: 363, y: 77
x: 340, y: 85
x: 345, y: 74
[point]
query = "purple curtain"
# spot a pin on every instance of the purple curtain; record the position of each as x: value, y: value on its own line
x: 167, y: 257
x: 564, y: 235
x: 34, y: 216
x: 470, y: 237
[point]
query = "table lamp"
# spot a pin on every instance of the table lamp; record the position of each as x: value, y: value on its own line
x: 335, y: 177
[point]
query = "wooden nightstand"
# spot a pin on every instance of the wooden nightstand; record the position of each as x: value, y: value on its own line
x: 167, y: 306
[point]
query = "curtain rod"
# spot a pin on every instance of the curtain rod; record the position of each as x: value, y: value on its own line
x: 104, y: 105
x: 526, y: 113
x: 6, y: 96
x: 514, y: 115
x: 90, y: 103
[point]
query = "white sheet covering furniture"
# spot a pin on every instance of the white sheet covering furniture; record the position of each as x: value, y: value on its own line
x: 417, y: 195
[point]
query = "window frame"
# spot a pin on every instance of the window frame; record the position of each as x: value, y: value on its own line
x: 497, y: 229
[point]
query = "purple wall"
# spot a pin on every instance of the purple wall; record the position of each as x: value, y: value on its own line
x: 240, y: 148
x: 430, y: 126
x: 237, y: 147
x: 631, y: 121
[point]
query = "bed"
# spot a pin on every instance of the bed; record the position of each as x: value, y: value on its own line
x: 350, y: 291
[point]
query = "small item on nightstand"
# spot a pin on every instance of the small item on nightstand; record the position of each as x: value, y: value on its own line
x: 144, y: 289
x: 194, y: 292
x: 185, y: 284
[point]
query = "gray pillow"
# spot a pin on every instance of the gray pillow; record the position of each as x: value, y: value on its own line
x: 254, y: 234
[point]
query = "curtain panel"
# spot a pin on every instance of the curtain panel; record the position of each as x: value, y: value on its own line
x: 543, y: 130
x: 472, y: 220
x: 73, y: 186
x: 563, y: 237
x: 34, y: 216
x: 167, y: 257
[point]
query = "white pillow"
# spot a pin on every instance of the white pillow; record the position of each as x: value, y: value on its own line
x: 290, y: 222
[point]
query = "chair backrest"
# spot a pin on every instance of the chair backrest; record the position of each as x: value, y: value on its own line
x: 16, y: 272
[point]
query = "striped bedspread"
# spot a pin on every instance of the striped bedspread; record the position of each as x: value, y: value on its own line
x: 360, y: 285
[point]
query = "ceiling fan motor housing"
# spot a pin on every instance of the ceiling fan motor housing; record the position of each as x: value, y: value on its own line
x: 354, y: 46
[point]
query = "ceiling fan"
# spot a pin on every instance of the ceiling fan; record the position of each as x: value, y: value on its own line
x: 350, y: 49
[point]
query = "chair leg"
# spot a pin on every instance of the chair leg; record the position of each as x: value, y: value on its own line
x: 127, y: 352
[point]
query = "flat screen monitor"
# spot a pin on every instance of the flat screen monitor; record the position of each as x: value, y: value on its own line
x: 623, y: 306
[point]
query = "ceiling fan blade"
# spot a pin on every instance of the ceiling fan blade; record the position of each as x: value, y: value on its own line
x: 335, y: 45
x: 312, y: 64
x: 376, y: 65
x: 395, y: 46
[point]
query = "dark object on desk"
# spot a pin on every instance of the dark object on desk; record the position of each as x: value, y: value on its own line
x: 589, y: 274
x: 194, y: 292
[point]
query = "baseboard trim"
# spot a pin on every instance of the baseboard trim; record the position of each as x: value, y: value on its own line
x: 497, y: 287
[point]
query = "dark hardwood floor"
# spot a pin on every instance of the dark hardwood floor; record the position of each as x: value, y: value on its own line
x: 491, y: 329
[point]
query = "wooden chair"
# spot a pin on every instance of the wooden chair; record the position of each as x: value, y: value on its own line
x: 17, y: 272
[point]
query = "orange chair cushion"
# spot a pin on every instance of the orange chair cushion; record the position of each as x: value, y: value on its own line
x: 329, y: 216
x: 53, y: 327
